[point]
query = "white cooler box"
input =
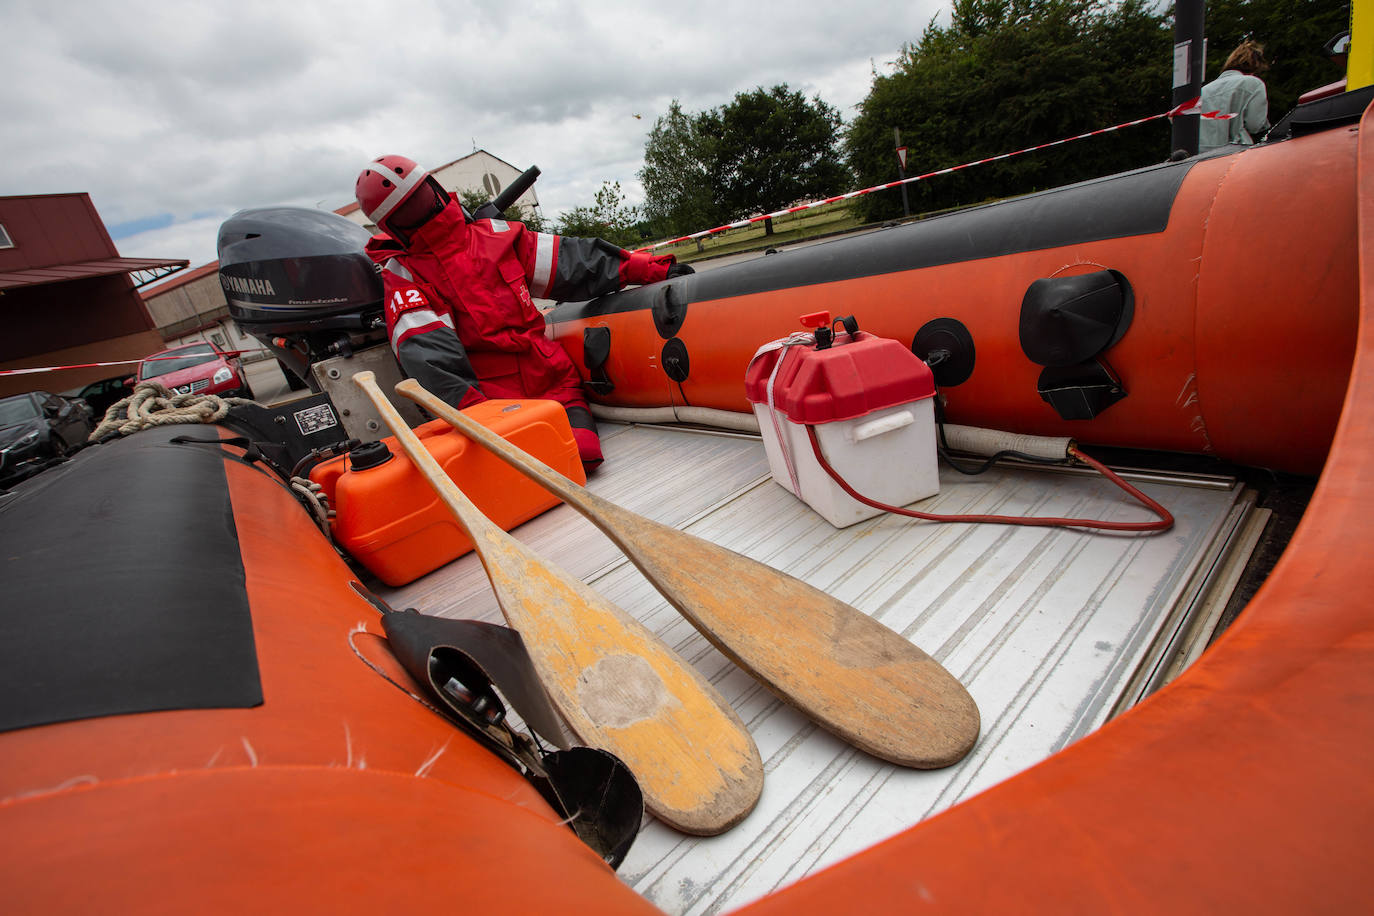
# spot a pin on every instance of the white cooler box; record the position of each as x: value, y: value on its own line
x: 871, y: 402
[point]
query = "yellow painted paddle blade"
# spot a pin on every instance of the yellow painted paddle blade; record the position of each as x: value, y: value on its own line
x: 621, y: 689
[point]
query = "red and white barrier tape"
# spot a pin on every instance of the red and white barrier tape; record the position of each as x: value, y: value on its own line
x: 122, y: 362
x: 1187, y: 108
x: 119, y: 362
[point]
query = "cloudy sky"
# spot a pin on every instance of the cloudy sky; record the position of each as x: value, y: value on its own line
x: 172, y: 115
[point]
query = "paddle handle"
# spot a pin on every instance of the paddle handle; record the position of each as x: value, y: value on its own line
x: 474, y: 523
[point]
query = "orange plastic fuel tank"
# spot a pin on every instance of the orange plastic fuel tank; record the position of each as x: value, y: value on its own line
x: 389, y: 517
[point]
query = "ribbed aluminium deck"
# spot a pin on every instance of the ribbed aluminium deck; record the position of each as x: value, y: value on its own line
x: 1050, y: 630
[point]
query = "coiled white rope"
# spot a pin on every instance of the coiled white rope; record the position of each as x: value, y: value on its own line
x: 316, y: 501
x: 153, y: 404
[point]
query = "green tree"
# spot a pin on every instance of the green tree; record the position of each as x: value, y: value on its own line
x: 677, y: 190
x: 773, y: 148
x: 607, y: 218
x: 1005, y: 75
x: 766, y: 149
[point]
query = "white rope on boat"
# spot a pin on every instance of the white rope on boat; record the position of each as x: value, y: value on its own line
x: 316, y: 501
x: 704, y: 416
x: 988, y: 442
x: 152, y: 404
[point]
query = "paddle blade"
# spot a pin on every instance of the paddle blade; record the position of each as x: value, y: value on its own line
x: 855, y: 677
x: 621, y: 689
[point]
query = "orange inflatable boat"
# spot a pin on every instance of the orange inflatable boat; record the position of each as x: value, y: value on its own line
x: 200, y: 712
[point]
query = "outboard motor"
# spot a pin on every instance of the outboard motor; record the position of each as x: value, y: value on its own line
x: 299, y: 280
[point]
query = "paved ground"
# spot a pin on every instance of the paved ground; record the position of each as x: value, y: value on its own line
x: 268, y: 384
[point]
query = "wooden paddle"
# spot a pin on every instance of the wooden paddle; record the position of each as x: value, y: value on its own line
x: 619, y: 687
x: 854, y: 676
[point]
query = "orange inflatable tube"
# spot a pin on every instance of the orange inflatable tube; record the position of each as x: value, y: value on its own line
x: 1241, y: 268
x: 336, y: 792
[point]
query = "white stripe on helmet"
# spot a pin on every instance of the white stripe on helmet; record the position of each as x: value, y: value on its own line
x: 403, y: 187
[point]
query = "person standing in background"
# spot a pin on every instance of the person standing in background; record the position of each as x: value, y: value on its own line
x: 1239, y: 92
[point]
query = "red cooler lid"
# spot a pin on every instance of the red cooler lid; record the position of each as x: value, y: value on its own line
x: 854, y: 377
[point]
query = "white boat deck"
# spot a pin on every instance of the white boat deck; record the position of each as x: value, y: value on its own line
x: 1051, y: 630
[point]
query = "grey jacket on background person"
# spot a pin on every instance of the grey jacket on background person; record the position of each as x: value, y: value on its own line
x: 1235, y: 93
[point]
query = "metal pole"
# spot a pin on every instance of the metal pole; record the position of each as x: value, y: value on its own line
x: 1189, y: 63
x: 901, y: 172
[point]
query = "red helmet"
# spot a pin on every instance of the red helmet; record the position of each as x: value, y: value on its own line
x: 385, y: 184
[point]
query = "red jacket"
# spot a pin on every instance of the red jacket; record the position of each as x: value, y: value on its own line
x: 477, y: 280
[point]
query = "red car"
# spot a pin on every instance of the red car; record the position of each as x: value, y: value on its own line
x: 199, y: 368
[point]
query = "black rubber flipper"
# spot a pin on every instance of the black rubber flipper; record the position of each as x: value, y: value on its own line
x: 459, y: 661
x: 433, y: 649
x: 600, y: 797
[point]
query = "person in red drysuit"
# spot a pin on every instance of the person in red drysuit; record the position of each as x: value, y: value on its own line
x: 459, y: 294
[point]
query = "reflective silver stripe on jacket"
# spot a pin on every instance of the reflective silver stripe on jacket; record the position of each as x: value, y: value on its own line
x: 545, y: 246
x: 415, y: 320
x: 398, y: 269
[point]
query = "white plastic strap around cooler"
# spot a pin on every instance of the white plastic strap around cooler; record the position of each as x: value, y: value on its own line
x: 796, y: 339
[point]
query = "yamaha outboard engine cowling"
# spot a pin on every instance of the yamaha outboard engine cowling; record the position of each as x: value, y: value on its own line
x: 299, y: 280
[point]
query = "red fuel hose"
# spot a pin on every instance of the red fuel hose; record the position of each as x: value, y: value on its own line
x: 1165, y: 522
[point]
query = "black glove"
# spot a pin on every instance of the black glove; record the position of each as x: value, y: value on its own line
x: 679, y: 270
